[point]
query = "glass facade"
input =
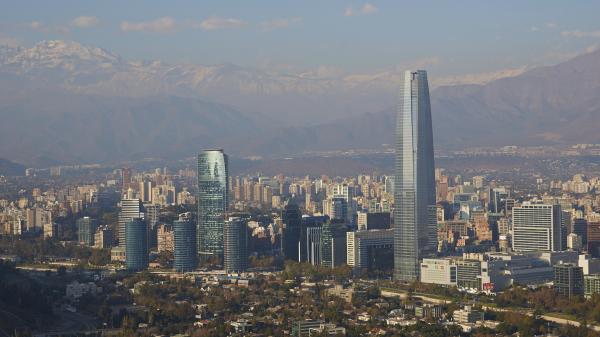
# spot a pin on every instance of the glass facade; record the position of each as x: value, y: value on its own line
x: 136, y: 249
x: 213, y: 180
x: 292, y: 220
x: 236, y: 245
x: 86, y: 228
x: 130, y: 209
x: 414, y: 186
x: 184, y: 250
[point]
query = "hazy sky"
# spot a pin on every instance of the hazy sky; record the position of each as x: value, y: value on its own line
x: 448, y: 37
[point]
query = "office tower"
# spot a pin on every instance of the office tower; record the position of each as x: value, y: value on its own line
x: 310, y: 238
x: 86, y: 228
x: 235, y: 245
x: 151, y: 215
x: 213, y: 173
x: 292, y: 222
x: 184, y: 242
x: 537, y: 227
x: 497, y: 199
x: 375, y: 220
x: 103, y: 237
x: 313, y: 245
x: 579, y: 227
x: 125, y: 178
x: 130, y: 209
x: 146, y: 187
x: 336, y: 208
x: 568, y: 280
x: 574, y: 242
x: 333, y: 244
x: 370, y: 250
x: 593, y: 239
x: 414, y: 188
x: 136, y: 248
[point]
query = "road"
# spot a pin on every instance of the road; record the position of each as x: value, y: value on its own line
x: 524, y: 311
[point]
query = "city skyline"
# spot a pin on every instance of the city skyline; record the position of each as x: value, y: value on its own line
x: 343, y: 168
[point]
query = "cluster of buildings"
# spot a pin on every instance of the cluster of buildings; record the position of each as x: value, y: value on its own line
x: 33, y: 214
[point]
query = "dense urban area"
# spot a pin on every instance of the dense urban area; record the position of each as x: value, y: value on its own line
x: 89, y: 251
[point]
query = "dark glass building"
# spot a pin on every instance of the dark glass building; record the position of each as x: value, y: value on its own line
x: 86, y: 228
x: 236, y: 245
x: 333, y: 244
x: 568, y: 280
x: 184, y: 245
x: 414, y: 187
x: 310, y: 238
x: 136, y: 248
x: 213, y: 173
x: 292, y: 221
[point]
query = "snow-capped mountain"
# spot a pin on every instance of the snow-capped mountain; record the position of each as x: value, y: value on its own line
x: 64, y: 102
x: 290, y: 97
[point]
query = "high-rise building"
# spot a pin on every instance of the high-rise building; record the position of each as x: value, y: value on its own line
x: 86, y: 228
x: 125, y: 178
x: 146, y: 187
x: 213, y: 173
x: 375, y: 220
x: 336, y: 208
x: 537, y: 227
x: 414, y: 188
x: 136, y: 248
x: 333, y: 244
x: 235, y: 245
x: 292, y: 222
x: 164, y: 238
x: 151, y: 215
x: 310, y: 238
x: 185, y: 252
x: 369, y: 250
x: 568, y: 280
x: 593, y: 238
x: 103, y: 237
x: 497, y: 199
x: 579, y: 227
x: 130, y: 209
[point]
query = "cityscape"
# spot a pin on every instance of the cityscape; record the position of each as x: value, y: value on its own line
x: 142, y: 198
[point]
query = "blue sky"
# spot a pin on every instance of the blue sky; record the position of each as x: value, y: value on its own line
x: 447, y: 37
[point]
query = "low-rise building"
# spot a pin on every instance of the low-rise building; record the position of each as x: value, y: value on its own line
x: 467, y: 315
x: 75, y: 289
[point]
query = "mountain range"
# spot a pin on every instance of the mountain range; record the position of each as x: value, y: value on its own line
x: 62, y: 102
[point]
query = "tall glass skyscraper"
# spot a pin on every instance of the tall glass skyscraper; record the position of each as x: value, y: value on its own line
x: 130, y: 209
x: 213, y: 173
x: 414, y: 186
x: 236, y: 245
x: 184, y: 245
x: 292, y: 220
x: 136, y: 249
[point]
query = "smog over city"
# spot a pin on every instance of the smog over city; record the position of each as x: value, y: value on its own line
x: 315, y: 168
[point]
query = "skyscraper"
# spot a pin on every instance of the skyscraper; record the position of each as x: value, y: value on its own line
x: 235, y: 245
x: 86, y: 228
x: 184, y: 252
x: 414, y: 187
x: 130, y: 209
x: 136, y: 249
x: 292, y: 221
x: 537, y: 227
x: 213, y: 173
